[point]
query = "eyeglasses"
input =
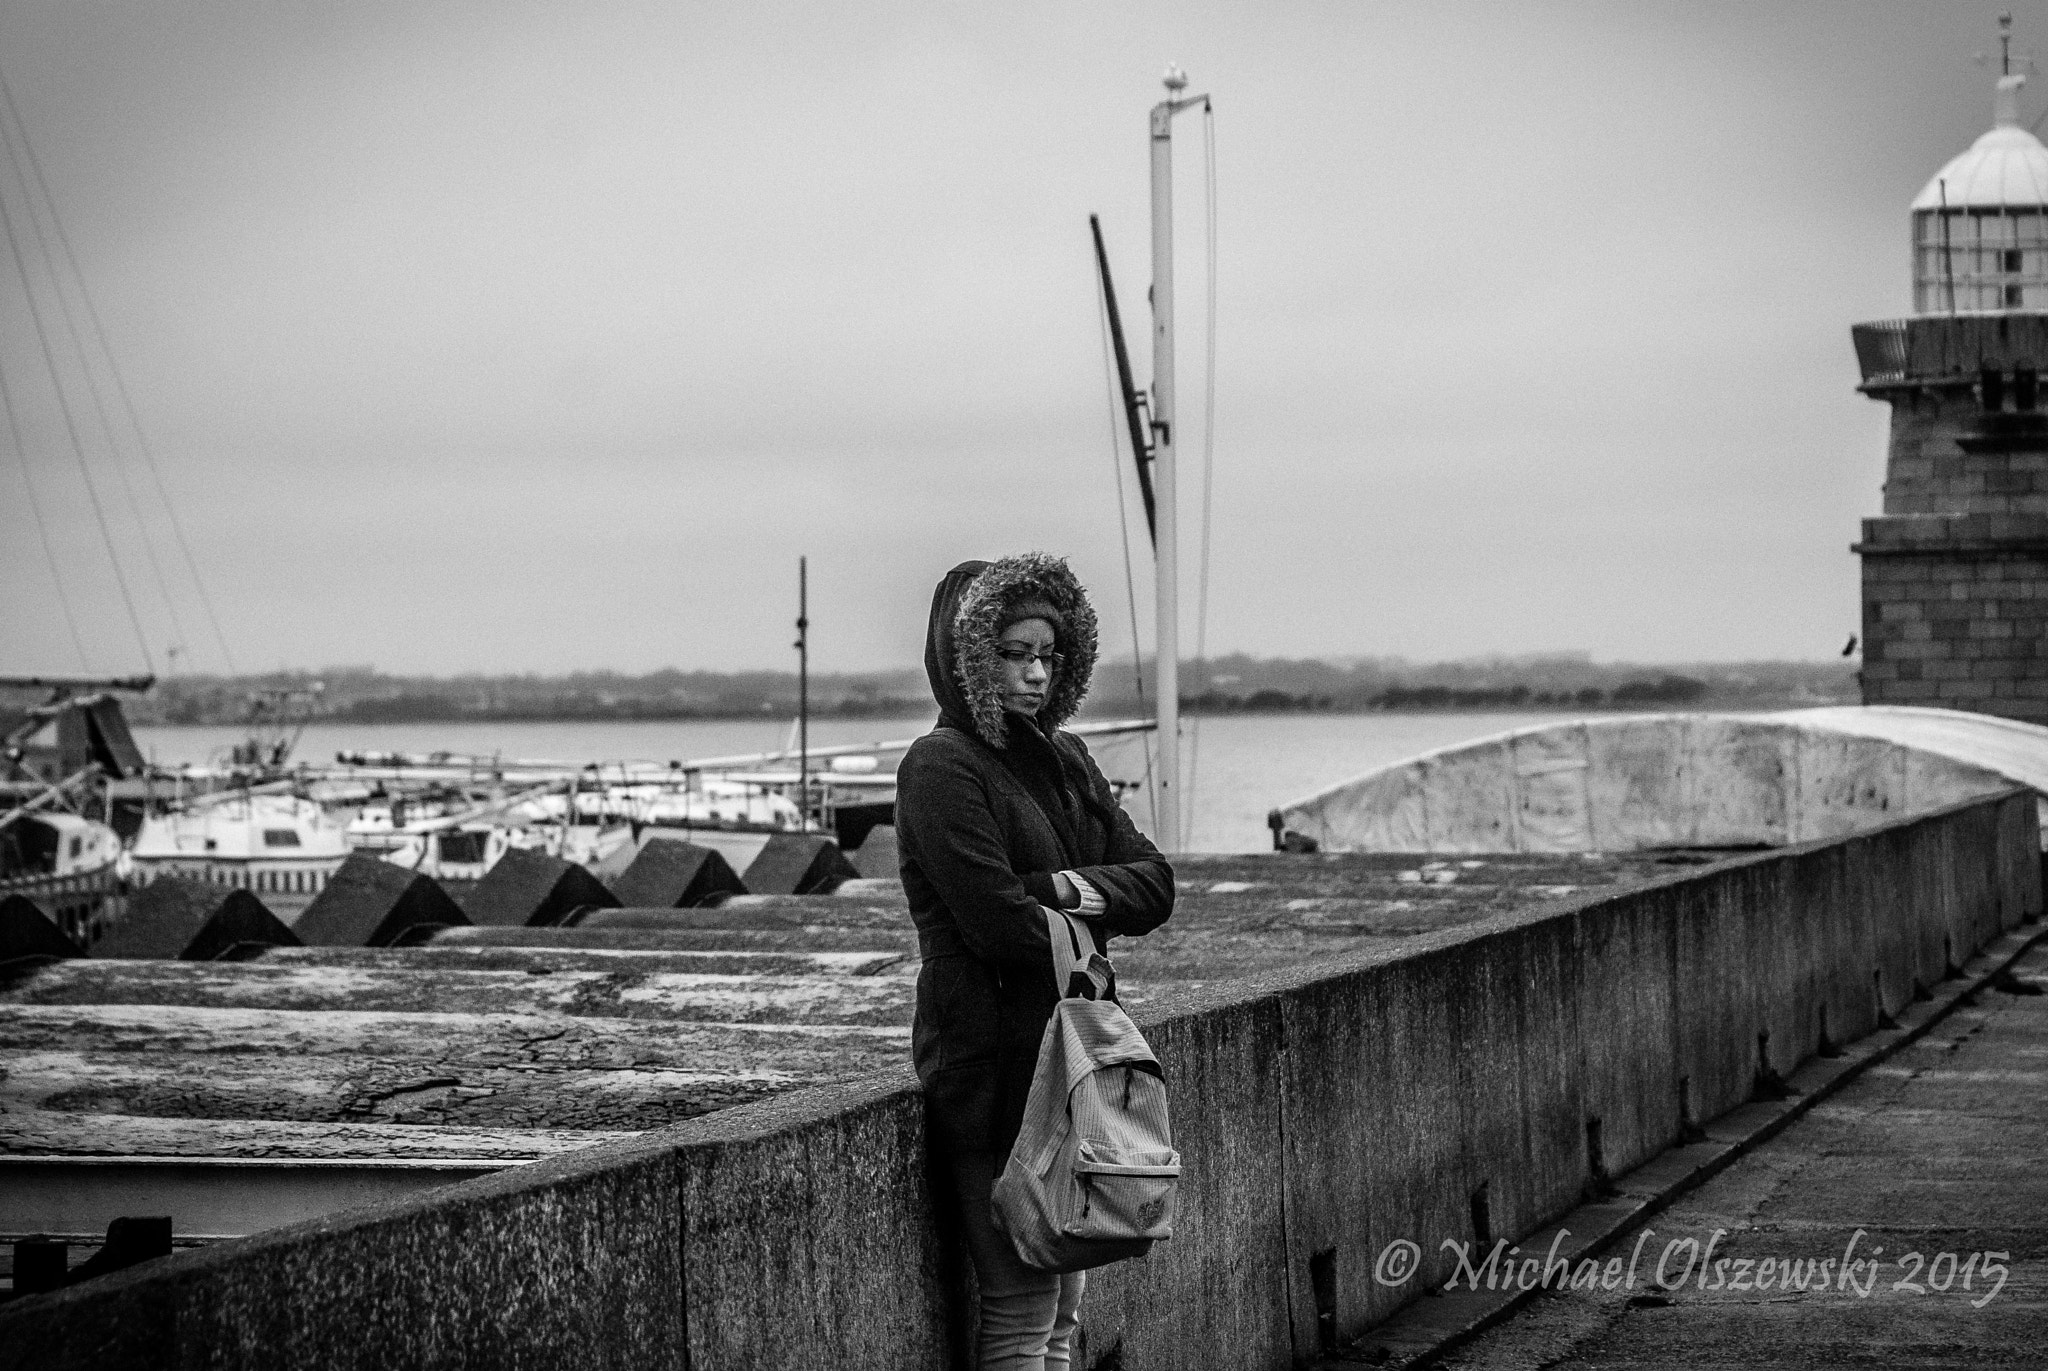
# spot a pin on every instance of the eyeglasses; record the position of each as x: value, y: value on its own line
x: 1020, y: 656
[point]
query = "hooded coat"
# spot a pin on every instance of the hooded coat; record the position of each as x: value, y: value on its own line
x: 989, y: 805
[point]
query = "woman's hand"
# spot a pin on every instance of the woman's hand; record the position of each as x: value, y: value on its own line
x: 1063, y: 886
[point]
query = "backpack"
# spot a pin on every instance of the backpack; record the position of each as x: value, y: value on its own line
x: 1093, y: 1175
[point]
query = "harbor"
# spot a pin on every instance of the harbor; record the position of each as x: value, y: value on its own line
x: 1413, y: 1076
x: 499, y: 1008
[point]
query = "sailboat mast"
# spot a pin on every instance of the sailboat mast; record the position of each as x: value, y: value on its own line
x: 803, y: 693
x: 1134, y: 404
x: 1166, y: 549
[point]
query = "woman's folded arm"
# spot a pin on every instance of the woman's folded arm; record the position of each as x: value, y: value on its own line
x: 944, y: 819
x: 1134, y: 878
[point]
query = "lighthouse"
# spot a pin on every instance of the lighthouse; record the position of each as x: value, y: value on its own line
x: 1955, y: 571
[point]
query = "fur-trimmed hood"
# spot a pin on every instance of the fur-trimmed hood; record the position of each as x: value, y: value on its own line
x: 970, y: 608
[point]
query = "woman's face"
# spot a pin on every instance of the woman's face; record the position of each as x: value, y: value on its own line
x: 1025, y: 649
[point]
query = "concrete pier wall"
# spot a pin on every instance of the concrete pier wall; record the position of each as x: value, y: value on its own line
x: 1324, y: 1112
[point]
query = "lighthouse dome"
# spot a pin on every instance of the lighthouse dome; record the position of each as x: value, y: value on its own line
x: 1980, y: 227
x: 2007, y: 166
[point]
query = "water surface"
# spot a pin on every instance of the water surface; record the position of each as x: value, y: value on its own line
x: 1241, y: 765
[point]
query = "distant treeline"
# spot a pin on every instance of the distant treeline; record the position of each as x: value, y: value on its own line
x: 1225, y: 685
x: 1241, y: 684
x: 362, y: 695
x: 1665, y: 690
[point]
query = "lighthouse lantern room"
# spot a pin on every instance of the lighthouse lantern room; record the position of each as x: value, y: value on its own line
x: 1980, y: 228
x: 1955, y: 570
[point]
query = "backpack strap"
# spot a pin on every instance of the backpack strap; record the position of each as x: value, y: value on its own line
x: 1078, y: 969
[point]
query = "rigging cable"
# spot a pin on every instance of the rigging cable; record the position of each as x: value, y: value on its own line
x: 113, y: 369
x: 1208, y: 458
x: 35, y: 505
x: 85, y: 369
x: 71, y: 427
x: 1123, y: 523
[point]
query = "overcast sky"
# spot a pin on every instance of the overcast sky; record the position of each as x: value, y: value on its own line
x: 506, y: 336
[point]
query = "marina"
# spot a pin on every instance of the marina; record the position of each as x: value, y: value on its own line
x: 572, y: 1024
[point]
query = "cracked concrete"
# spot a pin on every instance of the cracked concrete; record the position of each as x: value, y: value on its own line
x: 553, y: 1031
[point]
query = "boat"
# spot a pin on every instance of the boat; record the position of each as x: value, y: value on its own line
x: 67, y: 864
x: 265, y: 842
x: 59, y: 759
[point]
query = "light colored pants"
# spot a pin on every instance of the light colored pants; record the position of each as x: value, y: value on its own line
x: 1028, y: 1317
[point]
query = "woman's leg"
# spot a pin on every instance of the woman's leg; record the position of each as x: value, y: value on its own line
x: 1022, y: 1310
x: 1059, y: 1348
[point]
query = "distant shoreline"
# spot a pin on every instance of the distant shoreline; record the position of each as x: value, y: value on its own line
x: 1220, y: 687
x: 1128, y: 709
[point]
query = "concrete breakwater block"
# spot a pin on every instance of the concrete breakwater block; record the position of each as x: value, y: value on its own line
x: 193, y: 921
x: 676, y: 920
x: 369, y: 902
x: 276, y: 1140
x: 798, y: 864
x: 543, y: 961
x: 681, y: 938
x: 877, y: 856
x: 797, y: 991
x: 614, y: 861
x: 530, y: 888
x: 887, y: 888
x: 834, y: 910
x: 668, y: 872
x: 26, y: 931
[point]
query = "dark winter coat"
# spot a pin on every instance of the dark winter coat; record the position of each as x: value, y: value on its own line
x: 988, y: 806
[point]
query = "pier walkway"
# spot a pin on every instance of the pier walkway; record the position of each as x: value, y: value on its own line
x: 1939, y: 1151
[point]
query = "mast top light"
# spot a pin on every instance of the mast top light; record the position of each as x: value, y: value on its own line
x: 1175, y: 79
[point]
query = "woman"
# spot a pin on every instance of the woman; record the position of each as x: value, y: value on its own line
x: 998, y: 813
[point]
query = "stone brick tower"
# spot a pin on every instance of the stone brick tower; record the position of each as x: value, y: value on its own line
x: 1955, y: 572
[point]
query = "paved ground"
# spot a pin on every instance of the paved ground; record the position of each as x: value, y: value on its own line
x: 1930, y: 1169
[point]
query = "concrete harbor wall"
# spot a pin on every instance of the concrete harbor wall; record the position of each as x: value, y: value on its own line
x: 1324, y: 1111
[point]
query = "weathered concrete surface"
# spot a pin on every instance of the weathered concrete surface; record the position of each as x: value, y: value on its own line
x: 1599, y: 1228
x: 1941, y: 1149
x: 812, y: 996
x: 625, y: 961
x: 758, y: 912
x: 1661, y: 780
x: 1221, y: 1284
x: 1471, y: 1062
x: 809, y: 1236
x: 474, y: 1070
x: 570, y: 1262
x: 772, y: 939
x: 1471, y: 1058
x: 34, y: 1133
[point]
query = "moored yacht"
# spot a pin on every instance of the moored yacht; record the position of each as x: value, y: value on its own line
x: 266, y: 843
